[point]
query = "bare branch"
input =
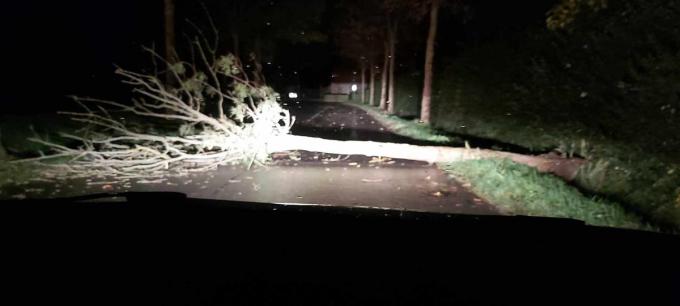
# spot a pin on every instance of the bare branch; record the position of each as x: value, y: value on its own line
x: 188, y: 140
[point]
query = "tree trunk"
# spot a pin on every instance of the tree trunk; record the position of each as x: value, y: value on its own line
x: 256, y: 59
x: 371, y: 90
x: 393, y: 50
x: 383, y: 87
x: 233, y: 16
x: 235, y: 44
x: 3, y: 153
x: 169, y: 27
x: 363, y: 81
x: 565, y: 168
x: 426, y: 102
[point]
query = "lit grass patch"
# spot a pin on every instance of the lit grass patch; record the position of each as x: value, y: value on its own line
x: 407, y: 128
x: 636, y: 175
x: 521, y: 190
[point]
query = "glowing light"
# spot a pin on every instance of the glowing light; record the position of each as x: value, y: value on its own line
x: 354, y: 87
x: 292, y: 95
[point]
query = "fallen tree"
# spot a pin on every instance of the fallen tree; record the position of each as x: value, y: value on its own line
x: 565, y: 168
x: 213, y: 115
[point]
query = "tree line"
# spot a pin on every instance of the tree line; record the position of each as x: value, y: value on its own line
x: 367, y: 32
x: 370, y: 31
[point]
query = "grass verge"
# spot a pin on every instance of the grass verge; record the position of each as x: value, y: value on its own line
x: 408, y: 128
x: 633, y: 174
x: 519, y: 189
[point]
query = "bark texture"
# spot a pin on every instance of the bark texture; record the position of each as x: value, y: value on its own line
x: 384, y: 73
x: 363, y: 81
x: 169, y: 36
x: 169, y: 21
x: 426, y: 102
x: 393, y: 50
x: 371, y: 90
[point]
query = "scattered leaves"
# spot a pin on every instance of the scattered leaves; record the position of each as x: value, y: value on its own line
x: 378, y: 160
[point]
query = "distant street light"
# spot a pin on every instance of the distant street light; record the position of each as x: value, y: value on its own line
x: 355, y: 88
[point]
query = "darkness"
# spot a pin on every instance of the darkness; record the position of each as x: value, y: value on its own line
x: 54, y: 49
x: 58, y: 48
x: 488, y: 19
x: 609, y: 80
x: 602, y: 92
x: 71, y: 48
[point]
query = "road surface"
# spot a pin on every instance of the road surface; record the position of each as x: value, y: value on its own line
x: 307, y: 178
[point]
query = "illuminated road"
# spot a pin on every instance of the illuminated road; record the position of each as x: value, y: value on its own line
x: 309, y: 178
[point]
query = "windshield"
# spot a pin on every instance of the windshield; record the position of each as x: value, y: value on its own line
x: 554, y: 108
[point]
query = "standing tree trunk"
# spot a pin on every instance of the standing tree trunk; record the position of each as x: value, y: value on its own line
x: 371, y: 85
x: 393, y: 50
x: 363, y: 81
x: 258, y: 76
x: 3, y: 152
x: 383, y: 85
x: 235, y: 44
x: 426, y: 102
x: 256, y: 60
x: 169, y: 19
x: 234, y: 14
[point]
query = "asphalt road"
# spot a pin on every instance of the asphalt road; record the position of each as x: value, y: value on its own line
x: 307, y: 178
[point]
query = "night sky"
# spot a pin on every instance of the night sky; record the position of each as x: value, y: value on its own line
x: 56, y: 48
